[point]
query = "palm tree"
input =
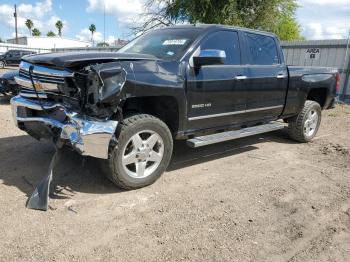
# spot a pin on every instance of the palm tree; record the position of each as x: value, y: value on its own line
x: 36, y: 32
x: 92, y: 29
x: 50, y: 34
x: 59, y: 26
x: 29, y: 23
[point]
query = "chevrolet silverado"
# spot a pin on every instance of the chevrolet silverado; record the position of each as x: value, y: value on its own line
x: 205, y: 84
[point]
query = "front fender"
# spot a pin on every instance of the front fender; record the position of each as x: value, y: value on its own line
x: 161, y: 78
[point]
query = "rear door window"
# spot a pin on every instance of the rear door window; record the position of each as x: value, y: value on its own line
x: 227, y: 41
x: 262, y: 49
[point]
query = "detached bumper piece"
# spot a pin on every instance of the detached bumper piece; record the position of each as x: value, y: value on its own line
x: 88, y: 136
x: 40, y: 197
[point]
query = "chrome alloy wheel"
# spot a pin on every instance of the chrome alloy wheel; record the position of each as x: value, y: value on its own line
x: 311, y: 123
x: 143, y: 154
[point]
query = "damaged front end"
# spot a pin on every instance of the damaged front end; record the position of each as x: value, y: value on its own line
x: 78, y: 107
x: 48, y: 119
x: 81, y: 107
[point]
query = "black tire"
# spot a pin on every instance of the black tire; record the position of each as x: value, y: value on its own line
x: 131, y: 126
x: 298, y: 124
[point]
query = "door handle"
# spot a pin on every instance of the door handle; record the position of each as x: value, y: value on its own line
x: 281, y: 76
x: 240, y: 77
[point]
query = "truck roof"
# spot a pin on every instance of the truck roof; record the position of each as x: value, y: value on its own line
x: 218, y: 26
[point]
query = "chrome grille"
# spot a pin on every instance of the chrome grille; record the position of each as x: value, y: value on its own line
x: 42, y: 78
x: 45, y: 78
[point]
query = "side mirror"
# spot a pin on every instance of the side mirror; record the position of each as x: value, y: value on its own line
x: 209, y: 57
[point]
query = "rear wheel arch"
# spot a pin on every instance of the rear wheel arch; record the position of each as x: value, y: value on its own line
x: 318, y: 95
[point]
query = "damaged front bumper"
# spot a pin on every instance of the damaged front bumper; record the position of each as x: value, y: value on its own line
x: 88, y: 136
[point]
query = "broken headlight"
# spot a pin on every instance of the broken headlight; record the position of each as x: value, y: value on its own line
x: 104, y: 84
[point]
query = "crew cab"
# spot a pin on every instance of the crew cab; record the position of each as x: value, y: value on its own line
x: 204, y: 84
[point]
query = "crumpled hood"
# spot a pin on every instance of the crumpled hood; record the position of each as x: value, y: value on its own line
x: 75, y: 59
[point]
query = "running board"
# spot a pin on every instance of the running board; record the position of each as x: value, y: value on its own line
x: 230, y: 135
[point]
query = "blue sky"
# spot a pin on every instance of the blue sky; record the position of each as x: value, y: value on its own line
x: 320, y: 19
x: 77, y: 15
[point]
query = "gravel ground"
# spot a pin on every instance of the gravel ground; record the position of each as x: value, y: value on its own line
x: 263, y: 198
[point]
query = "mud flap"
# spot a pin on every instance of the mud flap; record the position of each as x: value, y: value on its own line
x: 40, y: 197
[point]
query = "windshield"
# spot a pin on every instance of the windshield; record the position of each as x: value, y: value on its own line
x: 168, y: 44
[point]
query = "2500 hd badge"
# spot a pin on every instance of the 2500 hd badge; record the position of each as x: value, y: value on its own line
x: 201, y: 105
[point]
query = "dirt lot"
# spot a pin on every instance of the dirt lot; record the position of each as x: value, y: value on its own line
x: 263, y: 198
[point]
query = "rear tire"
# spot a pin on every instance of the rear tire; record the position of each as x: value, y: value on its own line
x: 304, y: 126
x: 143, y: 152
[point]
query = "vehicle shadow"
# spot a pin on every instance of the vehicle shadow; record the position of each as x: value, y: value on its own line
x: 25, y: 161
x: 185, y: 156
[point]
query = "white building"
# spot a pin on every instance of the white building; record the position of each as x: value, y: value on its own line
x: 48, y: 42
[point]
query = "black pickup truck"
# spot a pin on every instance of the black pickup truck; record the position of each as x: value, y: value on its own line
x: 205, y: 84
x: 13, y: 57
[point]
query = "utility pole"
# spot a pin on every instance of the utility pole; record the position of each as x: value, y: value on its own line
x: 346, y: 69
x: 104, y: 23
x: 15, y: 15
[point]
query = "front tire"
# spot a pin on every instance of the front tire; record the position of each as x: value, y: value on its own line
x: 303, y: 127
x: 143, y: 152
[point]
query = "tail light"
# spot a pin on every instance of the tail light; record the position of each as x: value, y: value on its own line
x: 337, y: 82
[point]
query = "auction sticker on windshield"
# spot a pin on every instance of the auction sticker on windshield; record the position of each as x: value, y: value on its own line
x: 175, y: 42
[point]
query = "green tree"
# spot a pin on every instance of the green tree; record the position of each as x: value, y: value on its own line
x: 92, y: 29
x: 50, y: 34
x: 36, y: 32
x: 59, y: 26
x: 288, y: 29
x: 276, y: 16
x: 29, y: 24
